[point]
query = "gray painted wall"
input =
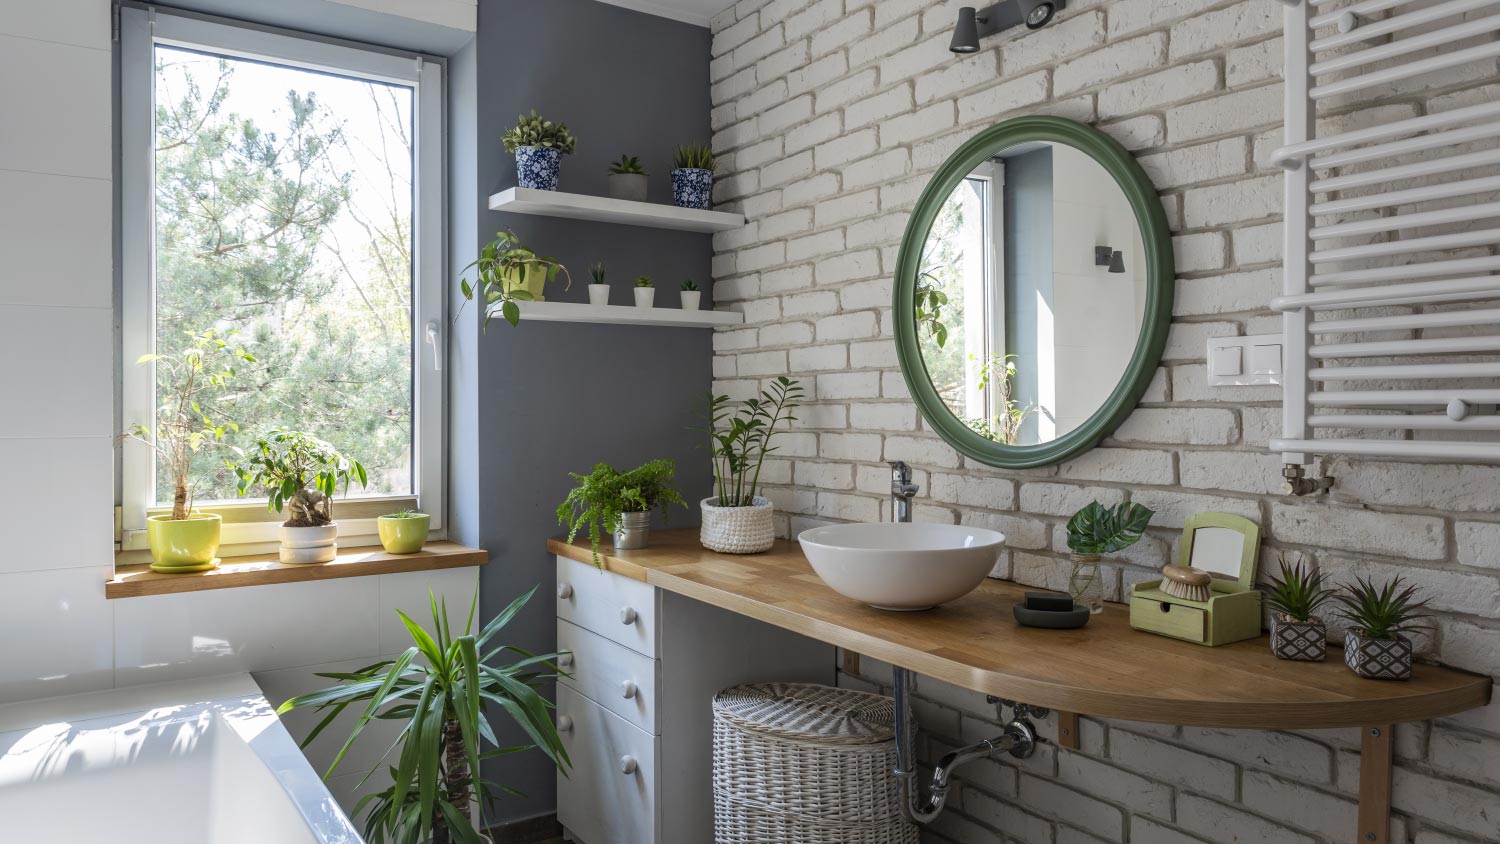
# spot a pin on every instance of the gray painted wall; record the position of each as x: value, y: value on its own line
x: 557, y: 397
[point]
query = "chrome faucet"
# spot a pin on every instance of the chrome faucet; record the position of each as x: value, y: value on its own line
x: 902, y: 491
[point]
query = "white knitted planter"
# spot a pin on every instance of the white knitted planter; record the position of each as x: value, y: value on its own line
x: 737, y: 530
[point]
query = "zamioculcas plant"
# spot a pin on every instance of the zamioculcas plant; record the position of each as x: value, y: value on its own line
x: 1379, y: 616
x: 628, y: 165
x: 299, y: 473
x: 1096, y: 530
x: 504, y: 271
x: 737, y: 519
x: 1297, y: 632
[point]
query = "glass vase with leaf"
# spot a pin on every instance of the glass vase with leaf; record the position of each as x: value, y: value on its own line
x: 1094, y: 531
x: 737, y: 519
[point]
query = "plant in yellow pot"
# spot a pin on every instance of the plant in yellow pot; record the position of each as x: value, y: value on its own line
x: 404, y: 531
x: 192, y: 383
x: 508, y: 272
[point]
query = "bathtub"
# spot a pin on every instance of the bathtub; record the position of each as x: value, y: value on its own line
x: 194, y: 762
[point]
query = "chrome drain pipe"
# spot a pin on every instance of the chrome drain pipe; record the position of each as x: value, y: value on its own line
x: 1019, y: 740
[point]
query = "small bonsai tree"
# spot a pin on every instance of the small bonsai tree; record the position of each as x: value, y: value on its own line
x: 690, y: 286
x: 1380, y: 612
x: 694, y: 157
x: 628, y: 165
x: 299, y: 473
x: 604, y: 495
x: 500, y: 270
x: 739, y: 442
x: 184, y: 425
x: 644, y: 281
x: 1298, y: 593
x: 536, y: 131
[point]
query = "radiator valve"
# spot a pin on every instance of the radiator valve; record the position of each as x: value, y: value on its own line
x: 1297, y: 482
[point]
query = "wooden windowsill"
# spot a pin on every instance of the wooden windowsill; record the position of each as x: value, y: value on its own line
x: 133, y: 581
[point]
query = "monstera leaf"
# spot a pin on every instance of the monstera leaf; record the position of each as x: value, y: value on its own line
x: 1097, y: 529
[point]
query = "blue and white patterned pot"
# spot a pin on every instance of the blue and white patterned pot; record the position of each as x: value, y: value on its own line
x: 691, y: 187
x: 536, y: 167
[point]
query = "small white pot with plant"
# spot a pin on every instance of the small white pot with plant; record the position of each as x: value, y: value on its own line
x: 737, y: 519
x: 627, y: 179
x: 507, y: 272
x: 692, y: 297
x: 300, y: 474
x: 645, y: 292
x: 599, y: 289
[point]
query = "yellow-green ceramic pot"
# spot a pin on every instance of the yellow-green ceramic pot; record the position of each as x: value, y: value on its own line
x: 534, y: 282
x: 403, y: 535
x: 184, y: 542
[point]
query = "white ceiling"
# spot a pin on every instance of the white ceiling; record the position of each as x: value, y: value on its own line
x: 692, y: 11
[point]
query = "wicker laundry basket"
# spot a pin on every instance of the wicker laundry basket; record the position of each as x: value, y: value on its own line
x: 805, y: 764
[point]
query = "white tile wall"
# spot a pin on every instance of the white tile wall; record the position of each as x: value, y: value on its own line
x: 50, y: 236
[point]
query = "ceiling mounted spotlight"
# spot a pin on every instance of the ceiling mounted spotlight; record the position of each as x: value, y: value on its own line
x: 975, y: 24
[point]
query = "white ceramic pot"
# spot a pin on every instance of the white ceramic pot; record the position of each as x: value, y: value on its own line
x: 598, y: 294
x: 691, y: 299
x: 645, y: 297
x: 737, y: 530
x: 301, y: 545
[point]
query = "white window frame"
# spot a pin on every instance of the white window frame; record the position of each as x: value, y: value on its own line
x: 141, y: 28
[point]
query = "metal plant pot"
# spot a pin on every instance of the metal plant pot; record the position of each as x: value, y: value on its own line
x: 631, y: 186
x: 1303, y: 641
x: 1378, y: 659
x: 633, y: 531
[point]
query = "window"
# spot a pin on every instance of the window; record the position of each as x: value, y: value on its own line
x: 285, y: 194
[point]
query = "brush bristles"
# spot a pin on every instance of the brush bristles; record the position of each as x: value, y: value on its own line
x: 1185, y: 591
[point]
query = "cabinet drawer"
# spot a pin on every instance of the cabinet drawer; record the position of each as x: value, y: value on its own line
x: 610, y: 794
x: 1175, y: 620
x: 617, y: 608
x: 611, y: 675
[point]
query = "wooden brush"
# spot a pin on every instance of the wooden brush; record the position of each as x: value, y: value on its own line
x: 1185, y: 582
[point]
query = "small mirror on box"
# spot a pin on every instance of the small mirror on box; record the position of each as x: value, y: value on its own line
x: 1209, y: 596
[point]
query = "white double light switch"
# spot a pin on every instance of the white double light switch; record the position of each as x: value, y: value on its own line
x: 1244, y: 361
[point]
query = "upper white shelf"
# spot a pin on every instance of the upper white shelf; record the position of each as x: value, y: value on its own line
x: 621, y: 314
x: 577, y: 206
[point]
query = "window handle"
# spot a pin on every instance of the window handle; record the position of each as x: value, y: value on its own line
x: 437, y: 352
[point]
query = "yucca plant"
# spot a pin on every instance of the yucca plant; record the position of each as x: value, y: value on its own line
x: 1298, y: 593
x: 694, y: 157
x: 537, y: 131
x: 1380, y: 612
x: 628, y: 165
x: 441, y: 689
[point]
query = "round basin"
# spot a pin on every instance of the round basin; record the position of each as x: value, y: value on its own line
x: 895, y: 566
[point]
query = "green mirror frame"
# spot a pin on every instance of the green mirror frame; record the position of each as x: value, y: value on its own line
x: 1160, y: 281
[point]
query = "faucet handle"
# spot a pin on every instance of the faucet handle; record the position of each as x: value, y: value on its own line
x: 900, y: 472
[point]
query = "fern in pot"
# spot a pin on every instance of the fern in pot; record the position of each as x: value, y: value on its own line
x: 737, y: 519
x: 1297, y: 631
x: 1376, y: 646
x: 618, y: 502
x: 300, y: 474
x: 539, y: 145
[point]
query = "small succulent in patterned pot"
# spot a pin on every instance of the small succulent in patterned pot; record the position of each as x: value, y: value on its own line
x: 1297, y: 632
x: 1379, y: 616
x: 693, y: 176
x: 539, y: 145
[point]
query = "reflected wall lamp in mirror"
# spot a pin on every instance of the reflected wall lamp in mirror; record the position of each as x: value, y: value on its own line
x: 974, y: 25
x: 1112, y: 258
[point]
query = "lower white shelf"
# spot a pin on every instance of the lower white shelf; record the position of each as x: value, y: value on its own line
x: 621, y: 314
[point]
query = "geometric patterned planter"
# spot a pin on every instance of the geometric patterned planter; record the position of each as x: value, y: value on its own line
x: 1304, y: 641
x: 1378, y: 659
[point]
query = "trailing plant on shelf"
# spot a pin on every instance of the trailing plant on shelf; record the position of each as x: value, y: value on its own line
x: 507, y: 272
x: 1096, y: 530
x: 1295, y: 597
x: 1379, y: 616
x: 693, y: 176
x: 539, y: 145
x: 444, y: 691
x: 618, y: 502
x: 628, y: 165
x: 299, y: 474
x: 737, y: 519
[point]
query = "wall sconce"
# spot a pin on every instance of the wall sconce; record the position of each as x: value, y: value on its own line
x: 973, y: 25
x: 1112, y: 258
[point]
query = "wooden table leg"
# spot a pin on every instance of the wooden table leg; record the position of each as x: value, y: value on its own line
x: 1375, y: 751
x: 1067, y: 730
x: 850, y: 662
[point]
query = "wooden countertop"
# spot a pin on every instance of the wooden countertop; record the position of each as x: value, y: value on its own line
x: 1105, y: 669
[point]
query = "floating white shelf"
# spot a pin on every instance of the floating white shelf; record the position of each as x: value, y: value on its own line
x: 621, y: 315
x: 577, y: 206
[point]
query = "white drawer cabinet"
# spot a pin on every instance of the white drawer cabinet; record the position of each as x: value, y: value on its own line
x: 678, y: 653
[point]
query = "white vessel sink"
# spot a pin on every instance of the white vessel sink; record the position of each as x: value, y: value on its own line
x: 893, y: 566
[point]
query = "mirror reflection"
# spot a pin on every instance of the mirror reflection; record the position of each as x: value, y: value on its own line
x: 1031, y: 293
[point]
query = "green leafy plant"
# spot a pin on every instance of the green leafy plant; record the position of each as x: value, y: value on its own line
x: 184, y: 426
x: 999, y: 373
x: 604, y: 495
x: 298, y: 472
x: 1097, y: 529
x: 596, y: 272
x: 628, y: 165
x: 1298, y: 593
x: 929, y: 301
x: 500, y: 273
x: 404, y: 514
x: 739, y: 441
x: 690, y: 285
x: 441, y: 689
x: 694, y: 157
x: 536, y: 131
x: 644, y: 281
x: 1380, y: 612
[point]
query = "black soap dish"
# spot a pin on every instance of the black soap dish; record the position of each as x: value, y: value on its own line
x: 1054, y: 612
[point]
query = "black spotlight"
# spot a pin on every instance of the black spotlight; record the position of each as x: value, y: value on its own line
x: 1039, y: 15
x: 965, y: 33
x: 976, y: 24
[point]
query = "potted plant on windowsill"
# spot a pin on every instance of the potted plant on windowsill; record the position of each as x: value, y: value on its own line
x: 404, y: 531
x: 1375, y: 646
x: 737, y: 519
x: 300, y: 473
x: 627, y: 179
x: 446, y: 691
x: 691, y: 295
x: 693, y: 176
x: 507, y: 271
x: 645, y: 292
x: 185, y: 539
x: 539, y: 145
x: 620, y: 502
x: 599, y: 290
x: 1094, y: 531
x: 1297, y: 632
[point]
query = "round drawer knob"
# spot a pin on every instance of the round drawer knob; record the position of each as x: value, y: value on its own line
x: 564, y: 723
x: 628, y: 615
x: 628, y: 690
x: 628, y: 765
x: 564, y: 591
x: 564, y: 660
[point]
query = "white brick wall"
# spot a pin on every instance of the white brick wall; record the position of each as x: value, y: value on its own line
x: 832, y: 114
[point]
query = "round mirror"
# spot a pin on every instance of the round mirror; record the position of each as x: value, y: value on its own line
x: 1033, y: 292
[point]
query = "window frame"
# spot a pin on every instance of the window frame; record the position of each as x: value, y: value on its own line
x: 248, y: 527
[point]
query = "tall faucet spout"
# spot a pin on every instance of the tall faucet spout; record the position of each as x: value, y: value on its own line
x: 902, y: 491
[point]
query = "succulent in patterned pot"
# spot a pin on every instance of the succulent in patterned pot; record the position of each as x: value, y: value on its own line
x: 539, y: 145
x: 1297, y: 632
x: 693, y: 176
x: 737, y: 519
x: 1376, y: 646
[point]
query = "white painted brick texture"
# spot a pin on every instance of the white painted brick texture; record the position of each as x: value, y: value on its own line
x: 831, y: 115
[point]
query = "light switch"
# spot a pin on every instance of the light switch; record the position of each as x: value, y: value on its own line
x: 1245, y: 361
x: 1265, y: 359
x: 1225, y: 360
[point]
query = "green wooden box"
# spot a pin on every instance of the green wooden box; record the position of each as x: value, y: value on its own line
x: 1227, y: 547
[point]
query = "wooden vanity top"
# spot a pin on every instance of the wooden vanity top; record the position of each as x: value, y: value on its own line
x: 1105, y: 669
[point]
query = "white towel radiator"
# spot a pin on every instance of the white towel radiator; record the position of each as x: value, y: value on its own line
x: 1397, y: 190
